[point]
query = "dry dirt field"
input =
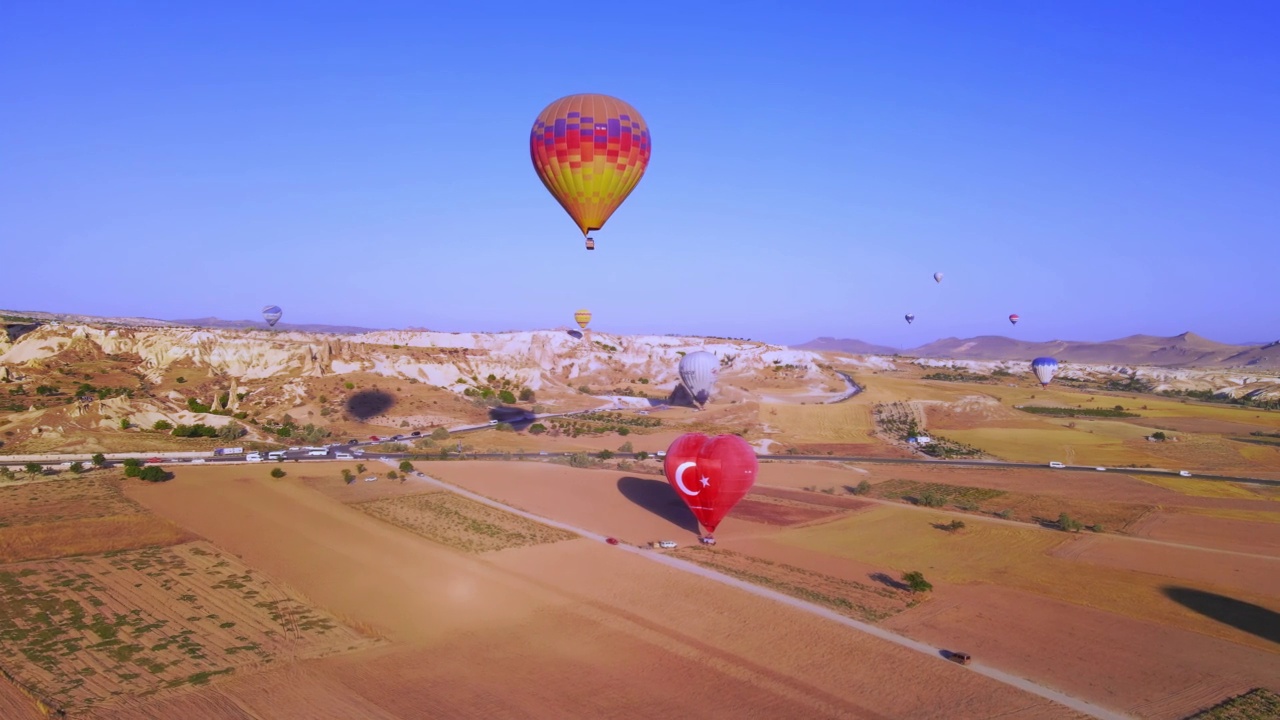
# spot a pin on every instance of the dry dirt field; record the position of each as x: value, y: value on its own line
x: 540, y: 618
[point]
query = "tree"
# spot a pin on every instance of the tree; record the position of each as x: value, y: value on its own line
x: 99, y: 460
x: 1159, y: 435
x: 1068, y: 523
x: 440, y: 433
x: 406, y: 466
x: 915, y: 580
x: 507, y: 397
x: 77, y: 467
x: 277, y: 473
x: 604, y: 454
x: 231, y: 431
x: 391, y: 475
x: 579, y: 460
x: 360, y: 468
x: 181, y: 380
x: 537, y: 429
x: 624, y: 431
x: 863, y: 488
x: 162, y: 425
x: 626, y: 447
x: 124, y: 423
x: 347, y: 476
x: 33, y: 468
x: 154, y: 473
x: 526, y: 395
x: 642, y: 455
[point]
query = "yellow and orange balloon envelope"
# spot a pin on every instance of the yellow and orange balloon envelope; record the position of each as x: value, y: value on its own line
x: 590, y: 151
x: 582, y: 317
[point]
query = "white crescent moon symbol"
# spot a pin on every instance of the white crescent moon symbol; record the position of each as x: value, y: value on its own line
x: 680, y: 478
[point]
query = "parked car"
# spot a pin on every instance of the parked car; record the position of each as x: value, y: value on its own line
x: 612, y: 540
x: 959, y: 657
x: 253, y: 457
x: 197, y: 460
x: 1056, y: 464
x: 344, y: 456
x: 1184, y: 473
x: 666, y: 543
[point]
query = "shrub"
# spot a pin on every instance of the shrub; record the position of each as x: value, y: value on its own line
x: 181, y: 380
x: 1069, y: 524
x: 604, y: 454
x: 584, y: 389
x: 162, y: 425
x: 624, y: 431
x: 915, y: 580
x: 863, y: 488
x: 124, y: 423
x: 77, y: 467
x: 504, y: 427
x: 440, y: 433
x: 98, y: 460
x: 626, y: 447
x: 154, y: 473
x: 537, y: 429
x: 526, y: 395
x: 406, y: 466
x: 347, y: 476
x: 277, y: 473
x: 1159, y: 435
x: 642, y: 455
x: 507, y: 397
x: 955, y: 525
x: 579, y: 460
x: 33, y: 468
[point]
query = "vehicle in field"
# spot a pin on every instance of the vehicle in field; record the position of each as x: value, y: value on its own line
x: 1056, y: 464
x: 664, y: 544
x: 958, y: 657
x: 371, y: 478
x: 1184, y: 473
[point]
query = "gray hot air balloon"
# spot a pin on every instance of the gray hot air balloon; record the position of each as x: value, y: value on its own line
x: 698, y: 373
x: 937, y: 277
x: 910, y: 318
x: 271, y: 314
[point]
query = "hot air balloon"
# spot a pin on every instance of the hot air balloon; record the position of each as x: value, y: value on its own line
x: 590, y: 152
x: 1044, y: 368
x: 937, y: 277
x: 910, y: 318
x: 271, y: 314
x: 710, y: 474
x: 698, y: 373
x: 582, y: 317
x: 1014, y: 319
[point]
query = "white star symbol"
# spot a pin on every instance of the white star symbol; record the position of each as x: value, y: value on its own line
x: 704, y: 480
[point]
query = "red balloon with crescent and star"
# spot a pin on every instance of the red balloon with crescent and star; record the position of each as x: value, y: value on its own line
x: 711, y: 474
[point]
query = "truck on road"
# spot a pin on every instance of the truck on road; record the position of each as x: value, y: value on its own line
x: 229, y: 451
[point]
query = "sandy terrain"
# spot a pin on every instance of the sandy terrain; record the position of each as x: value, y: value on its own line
x: 1149, y: 670
x: 1216, y: 532
x: 540, y: 619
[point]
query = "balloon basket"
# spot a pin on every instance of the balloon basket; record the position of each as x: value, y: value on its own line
x: 707, y: 540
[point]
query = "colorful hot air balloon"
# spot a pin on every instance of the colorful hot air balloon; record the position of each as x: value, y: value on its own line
x: 1044, y: 368
x: 1014, y: 319
x: 710, y: 474
x: 590, y: 151
x: 271, y: 314
x: 698, y: 373
x: 582, y: 317
x: 937, y: 277
x: 910, y: 318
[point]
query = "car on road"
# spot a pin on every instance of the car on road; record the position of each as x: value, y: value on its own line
x: 493, y: 422
x: 374, y: 438
x: 415, y: 433
x: 318, y: 452
x: 611, y: 540
x: 353, y: 441
x: 1100, y: 469
x: 344, y: 456
x: 197, y: 460
x: 419, y: 473
x: 1184, y: 473
x: 958, y: 657
x: 544, y: 452
x: 397, y: 437
x: 155, y: 460
x: 253, y: 457
x: 1056, y: 464
x: 660, y: 453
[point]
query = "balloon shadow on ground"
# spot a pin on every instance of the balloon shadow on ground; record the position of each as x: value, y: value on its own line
x: 369, y: 403
x: 517, y: 418
x: 574, y: 334
x: 1253, y: 619
x: 658, y: 498
x: 680, y: 397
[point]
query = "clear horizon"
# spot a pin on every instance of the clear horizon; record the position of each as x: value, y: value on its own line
x: 1100, y: 170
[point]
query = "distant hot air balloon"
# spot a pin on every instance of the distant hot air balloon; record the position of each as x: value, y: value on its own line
x: 1044, y: 368
x: 582, y: 317
x: 937, y: 277
x: 1014, y: 319
x: 590, y: 151
x: 271, y: 314
x: 910, y: 318
x: 710, y: 474
x: 698, y: 373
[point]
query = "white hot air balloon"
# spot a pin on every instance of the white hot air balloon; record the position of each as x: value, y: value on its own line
x: 937, y: 277
x: 698, y: 373
x: 1044, y: 368
x: 271, y: 314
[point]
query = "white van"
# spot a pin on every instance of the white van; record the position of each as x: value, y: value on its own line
x: 253, y: 457
x: 660, y: 453
x: 344, y: 456
x: 1056, y: 464
x: 318, y: 452
x: 1184, y: 473
x: 275, y: 455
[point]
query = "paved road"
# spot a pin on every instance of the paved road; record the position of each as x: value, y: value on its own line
x: 692, y: 568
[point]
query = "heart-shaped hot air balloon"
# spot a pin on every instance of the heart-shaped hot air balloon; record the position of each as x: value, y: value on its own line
x: 711, y: 474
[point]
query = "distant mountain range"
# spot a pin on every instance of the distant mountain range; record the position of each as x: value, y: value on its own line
x: 208, y: 322
x: 1187, y: 349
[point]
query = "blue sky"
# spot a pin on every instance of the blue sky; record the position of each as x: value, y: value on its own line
x: 1099, y: 168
